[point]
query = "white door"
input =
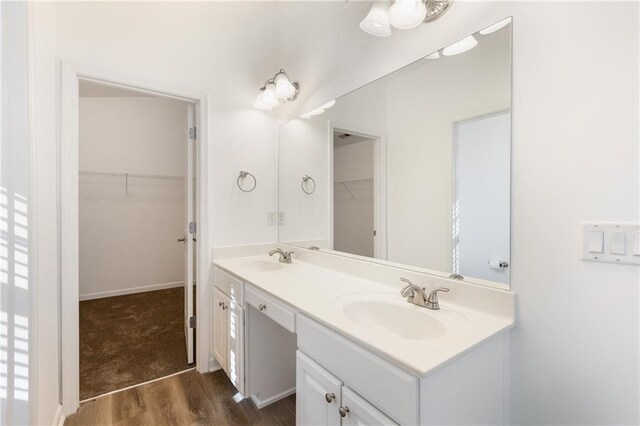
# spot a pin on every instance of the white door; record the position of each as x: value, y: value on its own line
x: 358, y: 412
x: 220, y: 326
x: 317, y: 394
x: 481, y: 204
x: 189, y: 328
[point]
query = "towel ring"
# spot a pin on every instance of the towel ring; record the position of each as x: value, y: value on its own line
x: 305, y: 179
x: 243, y: 175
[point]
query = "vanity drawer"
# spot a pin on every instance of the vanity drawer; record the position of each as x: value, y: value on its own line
x: 229, y: 284
x: 387, y: 387
x: 274, y: 310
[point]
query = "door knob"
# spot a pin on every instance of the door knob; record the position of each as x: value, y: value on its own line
x: 343, y: 411
x: 182, y: 240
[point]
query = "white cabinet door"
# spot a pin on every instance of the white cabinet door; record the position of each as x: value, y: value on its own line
x: 357, y: 411
x: 317, y: 394
x: 220, y: 328
x: 235, y: 344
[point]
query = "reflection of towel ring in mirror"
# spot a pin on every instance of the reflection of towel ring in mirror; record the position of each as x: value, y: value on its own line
x: 305, y: 179
x: 243, y: 175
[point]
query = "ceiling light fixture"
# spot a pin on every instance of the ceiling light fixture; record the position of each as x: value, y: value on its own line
x: 402, y: 14
x: 275, y: 90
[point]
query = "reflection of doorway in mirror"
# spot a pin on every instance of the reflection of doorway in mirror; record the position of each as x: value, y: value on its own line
x: 353, y: 193
x: 480, y: 209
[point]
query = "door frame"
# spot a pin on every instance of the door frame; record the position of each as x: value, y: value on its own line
x: 68, y: 163
x: 379, y: 182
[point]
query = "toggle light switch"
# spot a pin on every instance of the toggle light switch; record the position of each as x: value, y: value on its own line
x: 636, y: 244
x: 618, y: 244
x: 596, y: 242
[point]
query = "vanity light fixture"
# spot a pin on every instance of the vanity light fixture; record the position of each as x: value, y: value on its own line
x: 401, y: 14
x: 275, y: 90
x: 319, y: 110
x: 377, y: 20
x: 495, y: 27
x: 460, y: 46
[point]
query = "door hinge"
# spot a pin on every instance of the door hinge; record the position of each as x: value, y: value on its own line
x: 192, y: 133
x: 192, y: 322
x: 192, y: 227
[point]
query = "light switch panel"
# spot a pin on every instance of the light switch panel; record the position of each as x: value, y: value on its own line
x: 596, y: 241
x: 636, y: 244
x: 618, y: 243
x: 611, y: 242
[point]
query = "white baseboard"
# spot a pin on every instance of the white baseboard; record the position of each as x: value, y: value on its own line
x: 131, y: 290
x: 213, y: 365
x: 261, y: 403
x: 58, y: 419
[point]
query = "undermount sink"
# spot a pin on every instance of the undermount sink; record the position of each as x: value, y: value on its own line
x: 392, y: 315
x: 261, y: 265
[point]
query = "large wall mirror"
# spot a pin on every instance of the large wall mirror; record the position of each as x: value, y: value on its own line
x: 413, y: 168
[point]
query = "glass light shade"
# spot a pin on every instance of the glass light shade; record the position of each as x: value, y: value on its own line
x: 328, y: 105
x: 259, y: 105
x: 284, y: 88
x: 268, y: 97
x: 406, y: 14
x: 495, y: 27
x: 377, y: 21
x: 461, y: 46
x: 316, y: 111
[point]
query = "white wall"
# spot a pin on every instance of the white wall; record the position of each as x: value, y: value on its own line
x: 128, y: 242
x: 45, y: 337
x: 15, y: 219
x: 574, y: 354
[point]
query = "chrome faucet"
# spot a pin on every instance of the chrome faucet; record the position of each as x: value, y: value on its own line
x: 285, y: 256
x: 418, y: 296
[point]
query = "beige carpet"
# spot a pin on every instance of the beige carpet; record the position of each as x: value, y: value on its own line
x: 126, y: 340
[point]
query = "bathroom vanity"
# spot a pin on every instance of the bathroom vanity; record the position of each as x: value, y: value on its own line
x: 354, y: 350
x: 404, y: 180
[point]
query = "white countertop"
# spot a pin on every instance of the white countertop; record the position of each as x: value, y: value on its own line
x: 321, y: 293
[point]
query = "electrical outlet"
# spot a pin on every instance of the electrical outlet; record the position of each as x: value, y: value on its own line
x: 281, y: 218
x: 271, y: 218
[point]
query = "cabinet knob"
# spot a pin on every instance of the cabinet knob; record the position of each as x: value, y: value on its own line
x: 343, y: 411
x: 329, y: 397
x: 262, y: 307
x: 224, y: 307
x: 220, y: 303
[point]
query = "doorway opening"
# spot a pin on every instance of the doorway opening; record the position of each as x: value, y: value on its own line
x: 136, y: 237
x: 481, y: 198
x: 357, y: 196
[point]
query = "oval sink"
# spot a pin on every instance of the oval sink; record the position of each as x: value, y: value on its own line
x: 261, y: 265
x: 403, y: 321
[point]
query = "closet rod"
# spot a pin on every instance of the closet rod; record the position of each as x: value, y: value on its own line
x: 131, y: 175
